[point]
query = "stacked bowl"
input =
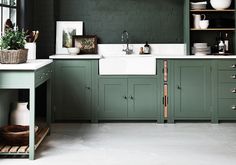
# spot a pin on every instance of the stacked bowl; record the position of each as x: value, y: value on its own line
x: 198, y: 5
x: 201, y: 49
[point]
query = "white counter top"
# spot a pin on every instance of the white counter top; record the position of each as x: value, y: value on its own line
x: 153, y: 55
x: 29, y: 65
x: 67, y: 56
x: 194, y: 57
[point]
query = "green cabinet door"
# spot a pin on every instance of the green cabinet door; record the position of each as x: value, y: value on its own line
x: 192, y: 89
x: 112, y: 98
x: 72, y: 90
x: 142, y: 95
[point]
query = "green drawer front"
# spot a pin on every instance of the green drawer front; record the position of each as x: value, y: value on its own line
x: 227, y: 65
x: 227, y: 90
x: 43, y: 74
x: 227, y: 76
x: 227, y: 108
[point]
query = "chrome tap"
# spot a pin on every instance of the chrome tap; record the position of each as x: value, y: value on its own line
x: 125, y: 39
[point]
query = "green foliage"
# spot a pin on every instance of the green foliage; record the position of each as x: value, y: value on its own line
x: 13, y: 40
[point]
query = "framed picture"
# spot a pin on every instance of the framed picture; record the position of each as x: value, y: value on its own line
x: 65, y: 31
x: 87, y: 44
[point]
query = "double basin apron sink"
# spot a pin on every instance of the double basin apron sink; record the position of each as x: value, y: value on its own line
x: 127, y: 65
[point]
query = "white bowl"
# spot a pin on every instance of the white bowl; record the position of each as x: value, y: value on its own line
x: 220, y: 4
x: 204, y: 24
x: 73, y: 50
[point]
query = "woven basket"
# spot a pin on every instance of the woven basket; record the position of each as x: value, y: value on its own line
x: 13, y: 56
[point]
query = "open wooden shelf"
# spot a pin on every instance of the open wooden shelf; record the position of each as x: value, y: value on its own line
x: 23, y: 150
x: 212, y: 10
x: 214, y: 29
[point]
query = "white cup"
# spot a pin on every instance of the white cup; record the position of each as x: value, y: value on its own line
x: 31, y: 46
x: 204, y: 24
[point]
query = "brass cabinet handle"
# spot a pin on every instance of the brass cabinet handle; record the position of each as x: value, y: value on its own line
x: 131, y: 97
x: 125, y: 97
x: 233, y: 76
x: 234, y: 90
x: 233, y: 107
x: 179, y: 87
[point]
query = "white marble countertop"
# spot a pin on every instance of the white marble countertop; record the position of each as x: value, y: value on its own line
x: 29, y: 65
x: 152, y: 55
x: 67, y: 56
x: 194, y: 57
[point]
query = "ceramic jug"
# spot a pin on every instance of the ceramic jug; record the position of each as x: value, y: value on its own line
x: 20, y: 115
x: 196, y: 20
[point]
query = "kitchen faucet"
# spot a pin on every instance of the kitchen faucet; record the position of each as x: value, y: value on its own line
x: 125, y: 38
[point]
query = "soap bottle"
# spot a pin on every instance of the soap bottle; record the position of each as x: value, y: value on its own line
x: 146, y: 49
x: 221, y: 47
x: 226, y: 41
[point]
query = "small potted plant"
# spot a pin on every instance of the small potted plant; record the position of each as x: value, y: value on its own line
x: 12, y: 45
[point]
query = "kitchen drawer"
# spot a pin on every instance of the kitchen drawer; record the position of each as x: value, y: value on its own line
x: 227, y: 76
x: 227, y: 90
x: 43, y: 74
x: 227, y: 108
x: 227, y: 65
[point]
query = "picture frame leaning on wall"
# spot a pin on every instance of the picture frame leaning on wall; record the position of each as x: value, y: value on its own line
x: 65, y: 30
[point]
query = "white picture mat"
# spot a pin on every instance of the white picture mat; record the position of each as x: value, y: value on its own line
x: 77, y: 25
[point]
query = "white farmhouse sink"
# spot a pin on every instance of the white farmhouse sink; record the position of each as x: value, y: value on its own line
x: 127, y: 65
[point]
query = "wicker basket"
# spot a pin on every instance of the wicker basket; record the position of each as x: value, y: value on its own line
x: 13, y: 56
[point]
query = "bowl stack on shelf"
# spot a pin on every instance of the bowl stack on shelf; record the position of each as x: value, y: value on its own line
x: 201, y: 49
x: 198, y: 5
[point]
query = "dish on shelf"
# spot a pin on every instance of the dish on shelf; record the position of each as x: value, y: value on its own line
x: 220, y: 4
x: 200, y: 45
x: 198, y: 5
x: 201, y: 49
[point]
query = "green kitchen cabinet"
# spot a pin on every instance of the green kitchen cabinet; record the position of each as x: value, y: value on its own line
x: 72, y: 91
x: 112, y: 98
x: 142, y: 94
x: 128, y: 99
x: 226, y: 83
x: 191, y: 90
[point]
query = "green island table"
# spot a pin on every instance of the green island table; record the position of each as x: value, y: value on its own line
x: 29, y: 76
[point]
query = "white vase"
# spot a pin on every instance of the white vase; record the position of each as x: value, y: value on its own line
x: 20, y: 115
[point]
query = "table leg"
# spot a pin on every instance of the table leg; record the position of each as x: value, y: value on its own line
x: 32, y: 124
x: 49, y: 99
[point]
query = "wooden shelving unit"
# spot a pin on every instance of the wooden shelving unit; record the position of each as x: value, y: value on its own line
x: 24, y: 150
x: 192, y: 35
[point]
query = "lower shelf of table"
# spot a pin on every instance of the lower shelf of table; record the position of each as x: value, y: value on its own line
x: 23, y: 150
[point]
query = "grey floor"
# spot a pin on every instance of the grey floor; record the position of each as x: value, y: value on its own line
x: 137, y: 144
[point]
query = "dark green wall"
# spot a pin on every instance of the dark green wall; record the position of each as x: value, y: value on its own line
x: 44, y: 21
x: 159, y: 21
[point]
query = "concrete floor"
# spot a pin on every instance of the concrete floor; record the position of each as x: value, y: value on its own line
x: 136, y: 144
